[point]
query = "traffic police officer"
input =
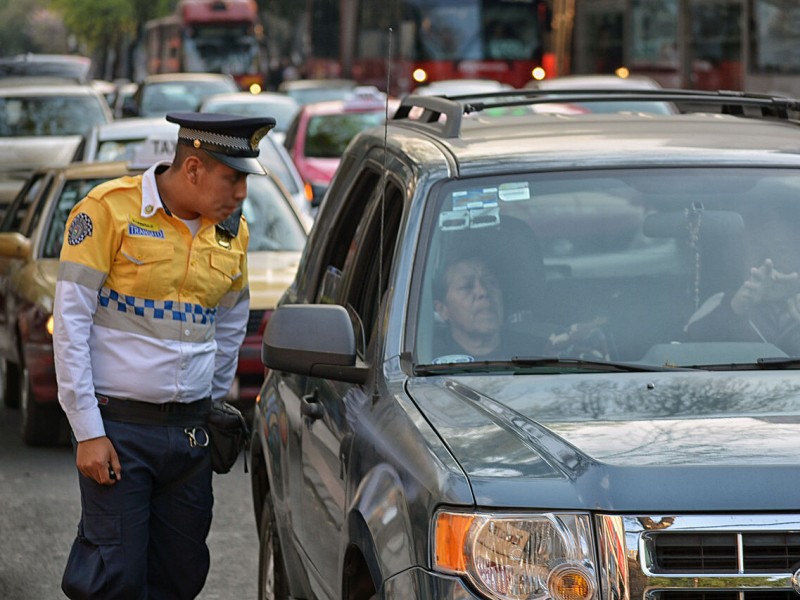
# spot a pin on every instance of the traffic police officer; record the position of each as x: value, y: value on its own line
x: 151, y: 306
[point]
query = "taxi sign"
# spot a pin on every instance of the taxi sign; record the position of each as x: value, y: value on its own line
x: 152, y: 150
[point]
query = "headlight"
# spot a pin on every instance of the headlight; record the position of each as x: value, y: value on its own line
x: 545, y: 556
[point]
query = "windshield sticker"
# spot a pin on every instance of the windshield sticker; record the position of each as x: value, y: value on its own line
x: 484, y: 216
x: 453, y: 358
x: 453, y: 220
x: 514, y: 192
x: 474, y: 198
x: 472, y: 209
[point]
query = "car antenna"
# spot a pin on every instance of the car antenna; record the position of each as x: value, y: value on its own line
x: 379, y: 287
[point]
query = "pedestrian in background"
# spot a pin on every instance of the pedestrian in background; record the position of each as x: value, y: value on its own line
x: 151, y: 306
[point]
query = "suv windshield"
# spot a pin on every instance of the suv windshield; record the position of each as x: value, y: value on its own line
x: 642, y: 266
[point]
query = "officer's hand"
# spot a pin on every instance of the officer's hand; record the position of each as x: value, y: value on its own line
x: 765, y: 284
x: 97, y: 459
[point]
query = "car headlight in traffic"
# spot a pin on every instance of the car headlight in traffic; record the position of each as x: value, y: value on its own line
x: 509, y: 557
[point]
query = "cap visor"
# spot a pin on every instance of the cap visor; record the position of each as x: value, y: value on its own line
x: 242, y: 164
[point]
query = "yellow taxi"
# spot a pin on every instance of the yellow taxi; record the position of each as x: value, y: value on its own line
x: 29, y: 255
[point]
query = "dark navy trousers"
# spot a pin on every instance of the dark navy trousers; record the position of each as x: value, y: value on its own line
x: 144, y: 538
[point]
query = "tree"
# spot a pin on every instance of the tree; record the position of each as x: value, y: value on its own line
x: 14, y: 31
x: 107, y: 28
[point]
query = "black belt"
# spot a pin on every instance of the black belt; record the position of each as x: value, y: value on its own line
x: 189, y: 414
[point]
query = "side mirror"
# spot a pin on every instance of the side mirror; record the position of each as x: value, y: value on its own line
x: 317, y: 340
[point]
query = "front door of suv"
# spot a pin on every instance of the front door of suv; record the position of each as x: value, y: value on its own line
x: 335, y: 411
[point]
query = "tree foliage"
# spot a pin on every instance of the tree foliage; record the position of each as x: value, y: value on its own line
x: 105, y: 23
x: 14, y: 37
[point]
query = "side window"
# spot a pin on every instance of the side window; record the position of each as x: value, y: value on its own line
x: 341, y: 236
x: 370, y: 261
x: 15, y: 213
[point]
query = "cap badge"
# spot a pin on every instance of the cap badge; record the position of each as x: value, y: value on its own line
x: 258, y: 136
x: 196, y: 143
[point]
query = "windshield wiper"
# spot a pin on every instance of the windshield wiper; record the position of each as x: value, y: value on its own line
x: 593, y: 365
x: 522, y: 362
x: 769, y: 363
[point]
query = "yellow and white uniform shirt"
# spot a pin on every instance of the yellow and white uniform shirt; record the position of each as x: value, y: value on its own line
x: 143, y: 309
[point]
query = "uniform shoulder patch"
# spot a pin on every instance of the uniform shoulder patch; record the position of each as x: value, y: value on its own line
x: 79, y: 229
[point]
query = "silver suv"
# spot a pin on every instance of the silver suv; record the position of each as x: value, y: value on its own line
x: 542, y: 355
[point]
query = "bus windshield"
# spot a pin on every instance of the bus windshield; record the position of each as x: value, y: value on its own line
x: 232, y: 50
x: 476, y: 29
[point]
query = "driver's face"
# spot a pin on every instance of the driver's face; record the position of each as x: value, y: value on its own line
x: 473, y: 302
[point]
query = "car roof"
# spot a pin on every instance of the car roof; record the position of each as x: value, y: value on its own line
x: 350, y: 105
x: 58, y: 66
x: 136, y: 127
x: 634, y: 82
x: 474, y: 140
x: 40, y: 88
x: 303, y: 84
x: 82, y: 170
x: 162, y: 77
x: 460, y: 86
x: 247, y: 97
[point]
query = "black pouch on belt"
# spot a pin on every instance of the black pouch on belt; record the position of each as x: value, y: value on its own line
x: 229, y: 435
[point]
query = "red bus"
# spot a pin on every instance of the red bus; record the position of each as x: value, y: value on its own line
x: 213, y: 36
x: 431, y: 40
x: 751, y: 45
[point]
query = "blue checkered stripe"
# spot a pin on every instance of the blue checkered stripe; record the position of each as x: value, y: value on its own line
x: 156, y: 309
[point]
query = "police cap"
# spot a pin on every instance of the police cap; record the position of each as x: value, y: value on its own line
x: 230, y: 139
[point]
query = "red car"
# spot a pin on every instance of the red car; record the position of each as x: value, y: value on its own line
x: 320, y: 132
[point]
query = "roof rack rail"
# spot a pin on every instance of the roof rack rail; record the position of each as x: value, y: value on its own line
x: 433, y: 108
x: 732, y: 102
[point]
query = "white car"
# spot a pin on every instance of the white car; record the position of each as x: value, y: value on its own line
x: 41, y: 126
x: 608, y: 84
x: 280, y: 106
x: 455, y: 87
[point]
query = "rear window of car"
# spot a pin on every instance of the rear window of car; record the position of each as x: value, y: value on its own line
x: 272, y: 222
x: 49, y: 115
x: 282, y: 113
x: 159, y: 99
x: 327, y: 136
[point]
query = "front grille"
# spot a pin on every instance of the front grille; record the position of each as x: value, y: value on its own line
x: 695, y: 553
x: 721, y: 553
x: 725, y: 595
x: 699, y: 557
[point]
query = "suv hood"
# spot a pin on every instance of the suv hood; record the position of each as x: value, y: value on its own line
x: 623, y: 442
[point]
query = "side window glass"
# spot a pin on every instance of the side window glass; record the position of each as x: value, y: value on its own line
x: 367, y: 270
x: 15, y: 213
x: 341, y: 236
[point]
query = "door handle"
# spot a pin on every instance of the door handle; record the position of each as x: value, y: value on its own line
x: 310, y: 406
